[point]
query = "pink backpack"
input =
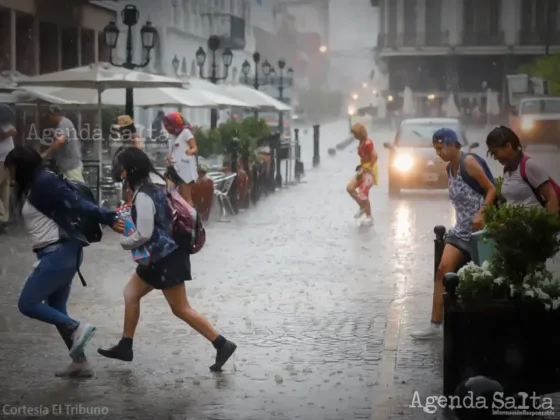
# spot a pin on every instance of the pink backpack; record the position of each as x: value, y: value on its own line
x: 186, y: 225
x: 538, y: 196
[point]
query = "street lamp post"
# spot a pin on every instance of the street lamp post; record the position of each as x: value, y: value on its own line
x: 266, y: 69
x: 175, y: 64
x: 227, y: 57
x: 149, y: 37
x: 282, y: 83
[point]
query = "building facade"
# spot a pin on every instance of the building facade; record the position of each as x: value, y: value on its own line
x: 350, y: 51
x: 244, y: 26
x: 436, y: 46
x: 42, y: 36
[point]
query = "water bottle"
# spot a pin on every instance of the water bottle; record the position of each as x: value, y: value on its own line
x: 140, y: 255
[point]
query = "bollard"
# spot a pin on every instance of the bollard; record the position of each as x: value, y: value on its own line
x: 234, y: 169
x: 439, y: 244
x: 316, y: 157
x: 297, y: 172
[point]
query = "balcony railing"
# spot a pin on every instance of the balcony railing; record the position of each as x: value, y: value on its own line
x: 430, y: 39
x: 231, y: 30
x: 534, y: 38
x: 436, y: 39
x: 483, y: 39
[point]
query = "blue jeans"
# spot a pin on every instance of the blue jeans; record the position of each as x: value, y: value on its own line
x: 47, y: 289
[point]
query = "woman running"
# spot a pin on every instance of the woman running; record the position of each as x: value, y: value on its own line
x: 366, y: 173
x: 168, y: 267
x: 182, y: 170
x: 50, y: 212
x: 525, y: 182
x: 129, y: 137
x: 471, y: 189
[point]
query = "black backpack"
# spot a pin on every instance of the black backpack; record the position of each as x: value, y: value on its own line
x: 90, y: 229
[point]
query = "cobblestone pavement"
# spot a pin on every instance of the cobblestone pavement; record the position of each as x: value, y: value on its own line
x: 320, y: 308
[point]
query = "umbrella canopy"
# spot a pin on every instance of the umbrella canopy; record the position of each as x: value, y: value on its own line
x: 145, y: 97
x: 100, y: 76
x: 36, y: 95
x: 250, y: 96
x: 451, y: 109
x: 408, y: 102
x: 492, y: 103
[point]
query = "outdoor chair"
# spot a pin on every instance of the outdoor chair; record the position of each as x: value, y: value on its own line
x: 221, y: 192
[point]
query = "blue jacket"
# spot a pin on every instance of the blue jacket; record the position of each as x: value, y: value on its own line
x: 53, y: 197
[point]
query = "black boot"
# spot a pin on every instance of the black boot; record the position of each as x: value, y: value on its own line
x: 225, y: 350
x: 122, y: 351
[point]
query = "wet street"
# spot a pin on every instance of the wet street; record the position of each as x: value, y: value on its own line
x: 321, y: 311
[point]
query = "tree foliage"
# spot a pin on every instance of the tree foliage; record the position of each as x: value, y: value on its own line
x: 548, y: 67
x: 218, y: 141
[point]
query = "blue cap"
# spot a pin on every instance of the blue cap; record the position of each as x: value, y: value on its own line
x: 445, y: 136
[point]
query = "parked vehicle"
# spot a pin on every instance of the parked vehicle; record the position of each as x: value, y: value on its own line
x: 413, y: 162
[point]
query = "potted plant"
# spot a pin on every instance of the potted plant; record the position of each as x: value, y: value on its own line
x: 501, y: 317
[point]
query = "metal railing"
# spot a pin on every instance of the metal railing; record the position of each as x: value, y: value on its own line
x: 413, y: 39
x: 532, y: 38
x: 482, y: 39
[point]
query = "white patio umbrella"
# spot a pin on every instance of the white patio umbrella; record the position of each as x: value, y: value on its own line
x: 408, y: 102
x: 451, y: 110
x: 145, y: 97
x: 252, y: 97
x: 100, y: 77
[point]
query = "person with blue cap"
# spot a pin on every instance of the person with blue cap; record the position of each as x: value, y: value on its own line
x: 471, y: 189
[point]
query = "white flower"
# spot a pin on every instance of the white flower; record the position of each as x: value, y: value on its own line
x: 512, y: 290
x: 499, y: 281
x: 556, y: 303
x: 547, y: 306
x: 485, y: 266
x: 530, y: 293
x: 542, y: 295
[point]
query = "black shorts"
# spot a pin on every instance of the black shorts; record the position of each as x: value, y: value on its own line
x: 460, y: 244
x: 167, y: 272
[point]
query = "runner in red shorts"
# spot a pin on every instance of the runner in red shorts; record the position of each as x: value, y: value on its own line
x: 366, y: 174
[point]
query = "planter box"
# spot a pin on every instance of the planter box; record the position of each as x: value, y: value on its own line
x: 482, y: 247
x: 515, y: 343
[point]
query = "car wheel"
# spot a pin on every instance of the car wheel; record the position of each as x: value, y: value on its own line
x: 394, y: 188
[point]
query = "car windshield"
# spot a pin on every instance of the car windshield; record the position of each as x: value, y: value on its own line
x: 420, y: 134
x: 540, y: 106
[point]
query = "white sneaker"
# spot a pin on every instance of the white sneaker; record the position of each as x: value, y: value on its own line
x: 366, y: 221
x: 76, y: 370
x: 359, y: 214
x: 432, y: 332
x: 81, y: 336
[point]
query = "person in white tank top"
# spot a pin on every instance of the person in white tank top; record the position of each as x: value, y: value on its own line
x: 182, y: 169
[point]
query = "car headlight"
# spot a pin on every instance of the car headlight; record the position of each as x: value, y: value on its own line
x: 527, y: 123
x: 403, y: 163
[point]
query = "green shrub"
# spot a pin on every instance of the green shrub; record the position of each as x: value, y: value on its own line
x: 525, y: 239
x: 218, y: 141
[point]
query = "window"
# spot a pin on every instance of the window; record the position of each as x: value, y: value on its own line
x: 176, y: 14
x: 540, y: 106
x: 420, y: 134
x: 410, y: 19
x: 392, y: 17
x: 433, y: 18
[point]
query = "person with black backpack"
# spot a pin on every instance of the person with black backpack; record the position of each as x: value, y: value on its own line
x: 60, y: 223
x: 471, y: 189
x: 166, y: 266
